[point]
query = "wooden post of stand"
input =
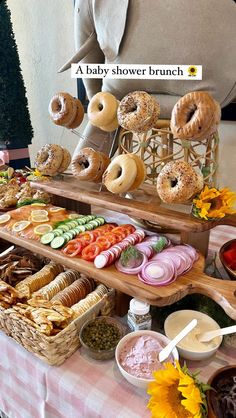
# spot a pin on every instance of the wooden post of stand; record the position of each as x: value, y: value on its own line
x: 81, y: 208
x: 199, y: 240
x: 122, y: 303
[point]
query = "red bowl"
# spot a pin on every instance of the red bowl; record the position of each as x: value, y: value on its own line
x: 220, y: 374
x: 231, y: 273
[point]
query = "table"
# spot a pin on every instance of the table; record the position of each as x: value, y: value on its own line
x: 80, y: 388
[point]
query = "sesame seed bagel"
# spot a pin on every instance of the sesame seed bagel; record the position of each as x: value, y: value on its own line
x: 178, y: 182
x: 49, y: 159
x: 138, y: 112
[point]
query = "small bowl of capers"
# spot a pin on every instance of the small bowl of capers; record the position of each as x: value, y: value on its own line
x: 100, y: 336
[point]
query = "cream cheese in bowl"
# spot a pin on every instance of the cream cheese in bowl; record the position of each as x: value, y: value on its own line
x: 191, y: 347
x: 137, y: 356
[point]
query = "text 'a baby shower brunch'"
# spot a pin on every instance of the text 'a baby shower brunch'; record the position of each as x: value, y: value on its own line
x: 137, y: 71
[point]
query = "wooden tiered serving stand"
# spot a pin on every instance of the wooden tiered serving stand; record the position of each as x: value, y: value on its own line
x: 146, y: 206
x: 155, y: 148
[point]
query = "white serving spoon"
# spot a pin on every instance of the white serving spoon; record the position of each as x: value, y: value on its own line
x: 8, y: 250
x: 164, y: 354
x: 209, y: 335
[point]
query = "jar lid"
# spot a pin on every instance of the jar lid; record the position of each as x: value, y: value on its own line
x: 138, y: 307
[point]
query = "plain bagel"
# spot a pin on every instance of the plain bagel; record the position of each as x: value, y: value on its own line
x: 195, y: 116
x: 178, y: 182
x: 102, y: 109
x: 120, y: 174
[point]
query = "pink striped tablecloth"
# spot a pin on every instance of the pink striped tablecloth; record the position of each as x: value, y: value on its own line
x: 82, y: 387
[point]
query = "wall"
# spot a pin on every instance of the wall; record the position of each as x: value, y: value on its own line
x: 45, y: 39
x: 44, y: 34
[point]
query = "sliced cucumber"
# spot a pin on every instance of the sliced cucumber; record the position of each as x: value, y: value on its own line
x: 81, y: 221
x: 58, y: 242
x: 47, y: 238
x: 90, y: 217
x: 89, y: 227
x: 94, y: 224
x: 70, y: 234
x: 80, y: 228
x: 73, y: 224
x: 57, y: 233
x: 101, y: 220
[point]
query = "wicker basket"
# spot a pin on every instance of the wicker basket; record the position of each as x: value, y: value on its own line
x: 56, y: 349
x: 158, y: 146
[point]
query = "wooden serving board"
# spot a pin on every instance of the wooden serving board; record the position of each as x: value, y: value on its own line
x: 143, y: 204
x: 195, y: 281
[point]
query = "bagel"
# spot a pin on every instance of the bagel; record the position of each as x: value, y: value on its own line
x: 195, y: 116
x: 86, y: 164
x: 104, y: 163
x: 178, y: 182
x: 49, y: 159
x: 62, y: 109
x: 138, y: 112
x: 111, y: 127
x: 78, y: 117
x: 120, y: 174
x: 102, y: 109
x: 141, y: 172
x: 66, y: 160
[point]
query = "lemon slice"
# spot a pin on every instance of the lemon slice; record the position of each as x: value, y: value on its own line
x: 5, y: 218
x: 39, y: 212
x: 56, y: 209
x: 40, y: 219
x: 38, y: 204
x: 42, y: 229
x: 20, y: 226
x: 73, y: 215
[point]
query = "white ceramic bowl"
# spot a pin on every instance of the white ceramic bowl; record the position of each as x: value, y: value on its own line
x: 138, y: 381
x: 189, y: 347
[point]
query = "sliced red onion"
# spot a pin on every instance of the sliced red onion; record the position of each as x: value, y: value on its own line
x: 129, y: 270
x: 145, y: 249
x: 157, y: 273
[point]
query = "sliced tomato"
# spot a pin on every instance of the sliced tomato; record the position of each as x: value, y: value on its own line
x: 229, y: 256
x: 106, y: 227
x: 120, y: 234
x: 87, y: 237
x: 105, y: 242
x: 128, y: 227
x: 73, y: 249
x: 90, y: 252
x: 113, y: 238
x: 97, y: 233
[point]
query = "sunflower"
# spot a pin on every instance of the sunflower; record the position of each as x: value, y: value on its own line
x: 192, y: 70
x: 214, y: 203
x: 176, y: 394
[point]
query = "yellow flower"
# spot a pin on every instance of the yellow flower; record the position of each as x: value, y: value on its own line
x: 37, y: 173
x: 174, y: 394
x: 192, y: 70
x: 214, y: 203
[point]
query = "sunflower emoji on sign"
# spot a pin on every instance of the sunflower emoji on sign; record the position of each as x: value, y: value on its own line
x: 192, y: 71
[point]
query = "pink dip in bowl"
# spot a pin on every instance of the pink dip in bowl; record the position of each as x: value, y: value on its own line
x: 139, y: 356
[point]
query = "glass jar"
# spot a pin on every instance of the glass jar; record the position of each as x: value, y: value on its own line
x: 138, y: 315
